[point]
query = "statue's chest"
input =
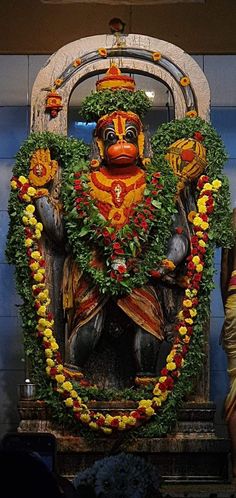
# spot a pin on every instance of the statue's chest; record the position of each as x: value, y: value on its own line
x: 115, y: 196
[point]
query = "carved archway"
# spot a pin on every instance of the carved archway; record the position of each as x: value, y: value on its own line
x: 138, y: 53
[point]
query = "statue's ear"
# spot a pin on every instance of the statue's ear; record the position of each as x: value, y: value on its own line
x: 96, y: 152
x: 144, y: 145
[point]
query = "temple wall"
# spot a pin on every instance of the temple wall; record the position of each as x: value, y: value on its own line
x: 17, y: 76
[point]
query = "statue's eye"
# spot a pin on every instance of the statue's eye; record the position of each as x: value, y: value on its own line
x: 109, y: 135
x: 131, y: 133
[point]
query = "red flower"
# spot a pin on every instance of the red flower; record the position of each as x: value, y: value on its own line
x: 198, y: 136
x: 116, y: 245
x: 121, y: 269
x: 179, y: 230
x: 155, y: 273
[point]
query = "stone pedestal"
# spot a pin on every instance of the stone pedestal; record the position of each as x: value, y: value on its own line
x: 192, y: 453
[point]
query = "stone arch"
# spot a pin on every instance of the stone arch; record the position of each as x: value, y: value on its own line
x: 157, y: 58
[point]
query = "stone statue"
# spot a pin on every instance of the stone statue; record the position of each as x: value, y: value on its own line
x: 116, y: 182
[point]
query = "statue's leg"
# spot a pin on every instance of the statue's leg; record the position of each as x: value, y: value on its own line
x: 146, y: 349
x: 84, y: 340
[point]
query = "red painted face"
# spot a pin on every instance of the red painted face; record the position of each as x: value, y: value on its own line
x: 120, y: 139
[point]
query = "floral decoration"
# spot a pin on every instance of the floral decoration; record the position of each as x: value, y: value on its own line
x: 211, y: 224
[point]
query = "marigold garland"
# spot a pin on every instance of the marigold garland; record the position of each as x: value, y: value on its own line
x: 211, y: 224
x: 184, y: 328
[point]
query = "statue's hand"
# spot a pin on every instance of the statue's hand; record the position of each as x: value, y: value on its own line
x: 164, y: 269
x: 42, y: 168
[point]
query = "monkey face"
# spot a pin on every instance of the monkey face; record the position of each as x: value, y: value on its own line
x: 120, y: 149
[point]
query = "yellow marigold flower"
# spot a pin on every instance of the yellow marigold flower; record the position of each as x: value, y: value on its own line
x: 164, y: 395
x: 41, y: 270
x: 36, y: 255
x: 39, y: 226
x: 34, y: 266
x: 121, y: 426
x: 30, y: 209
x: 145, y: 402
x: 183, y: 330
x: 50, y: 362
x: 193, y: 312
x: 180, y: 315
x: 131, y: 420
x: 199, y: 234
x: 185, y: 81
x: 31, y: 191
x: 106, y: 430
x: 149, y: 412
x: 196, y: 260
x: 42, y: 296
x: 32, y: 221
x: 85, y: 417
x: 38, y: 277
x: 197, y: 221
x: 188, y: 303
x: 73, y: 394
x: 13, y: 184
x: 28, y: 242
x: 163, y: 378
x: 48, y: 353
x: 26, y: 198
x: 202, y: 243
x: 48, y: 370
x: 25, y: 220
x: 170, y: 356
x: 216, y: 184
x: 42, y: 311
x: 156, y: 56
x: 48, y: 333
x: 202, y: 209
x: 93, y: 426
x: 171, y: 366
x: 37, y: 234
x: 199, y: 268
x: 54, y: 346
x: 157, y: 401
x: 189, y: 321
x: 207, y: 186
x: 69, y: 402
x: 156, y: 390
x: 22, y: 179
x: 204, y: 225
x: 203, y: 199
x: 67, y: 386
x: 60, y: 378
x: 42, y: 322
x: 60, y: 368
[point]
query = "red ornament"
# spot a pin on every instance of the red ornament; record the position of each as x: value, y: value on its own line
x: 53, y: 103
x: 187, y: 155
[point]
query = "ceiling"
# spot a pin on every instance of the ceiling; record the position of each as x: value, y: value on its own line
x: 36, y: 27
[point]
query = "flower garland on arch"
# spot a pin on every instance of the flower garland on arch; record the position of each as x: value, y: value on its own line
x: 176, y: 359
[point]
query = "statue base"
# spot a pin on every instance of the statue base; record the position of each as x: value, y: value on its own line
x: 191, y: 454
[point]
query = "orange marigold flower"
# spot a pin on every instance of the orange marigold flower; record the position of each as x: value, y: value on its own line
x: 76, y: 63
x: 58, y: 82
x: 185, y: 81
x: 191, y: 114
x: 191, y: 216
x: 156, y: 56
x: 102, y: 52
